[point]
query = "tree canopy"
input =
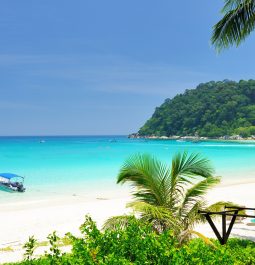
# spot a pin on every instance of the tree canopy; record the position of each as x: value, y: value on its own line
x: 213, y: 109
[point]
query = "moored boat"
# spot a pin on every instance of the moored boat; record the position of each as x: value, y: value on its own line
x: 11, y: 182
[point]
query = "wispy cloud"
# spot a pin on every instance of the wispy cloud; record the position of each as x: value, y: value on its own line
x: 106, y: 73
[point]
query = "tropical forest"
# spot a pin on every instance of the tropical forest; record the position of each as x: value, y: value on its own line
x: 213, y: 109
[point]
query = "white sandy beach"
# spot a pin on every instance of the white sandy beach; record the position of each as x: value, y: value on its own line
x: 39, y: 218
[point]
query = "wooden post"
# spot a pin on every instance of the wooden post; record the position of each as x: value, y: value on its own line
x: 216, y: 232
x: 224, y: 230
x: 231, y: 225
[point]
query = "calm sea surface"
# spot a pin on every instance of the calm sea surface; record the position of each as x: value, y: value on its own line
x: 83, y: 164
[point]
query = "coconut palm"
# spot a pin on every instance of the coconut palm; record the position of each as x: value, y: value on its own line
x: 168, y: 197
x: 237, y: 23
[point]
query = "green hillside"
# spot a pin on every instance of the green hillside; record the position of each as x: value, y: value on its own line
x: 213, y: 109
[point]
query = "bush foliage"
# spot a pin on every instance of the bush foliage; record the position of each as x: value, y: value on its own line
x: 139, y: 244
x: 213, y: 109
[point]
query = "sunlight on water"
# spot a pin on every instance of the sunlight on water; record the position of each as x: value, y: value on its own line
x: 57, y: 165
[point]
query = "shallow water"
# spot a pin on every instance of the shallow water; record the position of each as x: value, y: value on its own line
x: 88, y: 165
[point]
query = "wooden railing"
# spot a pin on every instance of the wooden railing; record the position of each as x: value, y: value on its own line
x: 234, y: 212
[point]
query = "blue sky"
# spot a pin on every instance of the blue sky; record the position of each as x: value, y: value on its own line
x: 101, y: 67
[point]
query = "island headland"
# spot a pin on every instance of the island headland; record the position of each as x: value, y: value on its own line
x: 223, y: 110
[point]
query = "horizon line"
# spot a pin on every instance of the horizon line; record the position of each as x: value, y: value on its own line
x: 64, y: 135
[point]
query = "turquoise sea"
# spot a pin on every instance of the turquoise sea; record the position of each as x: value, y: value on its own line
x: 88, y: 164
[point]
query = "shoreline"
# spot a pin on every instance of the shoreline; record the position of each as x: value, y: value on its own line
x: 40, y: 218
x: 195, y: 139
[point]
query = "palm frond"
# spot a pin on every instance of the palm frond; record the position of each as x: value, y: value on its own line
x: 185, y: 235
x: 148, y: 211
x: 237, y: 23
x: 159, y: 217
x: 185, y: 167
x: 191, y: 165
x: 220, y: 206
x: 195, y: 193
x: 192, y: 217
x: 148, y: 175
x: 206, y: 240
x: 230, y: 5
x: 118, y: 222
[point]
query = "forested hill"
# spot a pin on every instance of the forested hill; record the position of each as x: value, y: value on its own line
x: 213, y: 109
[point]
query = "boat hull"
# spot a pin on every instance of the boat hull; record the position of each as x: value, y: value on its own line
x: 6, y: 189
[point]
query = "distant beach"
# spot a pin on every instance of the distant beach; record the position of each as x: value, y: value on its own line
x: 68, y: 177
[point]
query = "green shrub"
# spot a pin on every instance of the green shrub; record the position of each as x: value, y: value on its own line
x: 139, y: 244
x: 29, y: 248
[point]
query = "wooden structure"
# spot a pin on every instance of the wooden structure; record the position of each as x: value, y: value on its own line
x: 229, y: 211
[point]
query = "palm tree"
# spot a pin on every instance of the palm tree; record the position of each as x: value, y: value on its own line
x: 168, y: 197
x: 237, y: 23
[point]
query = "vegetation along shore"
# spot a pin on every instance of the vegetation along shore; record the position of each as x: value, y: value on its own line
x: 216, y: 110
x: 162, y: 226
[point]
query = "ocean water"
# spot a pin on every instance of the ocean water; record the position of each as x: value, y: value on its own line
x: 86, y: 165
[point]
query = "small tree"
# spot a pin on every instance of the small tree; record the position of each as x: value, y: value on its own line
x: 169, y: 197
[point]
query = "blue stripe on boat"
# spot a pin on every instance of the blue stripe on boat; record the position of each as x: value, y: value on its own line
x: 8, y: 175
